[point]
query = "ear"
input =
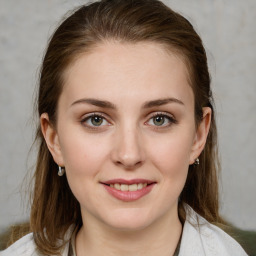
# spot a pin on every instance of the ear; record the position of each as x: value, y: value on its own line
x: 201, y: 135
x: 52, y: 139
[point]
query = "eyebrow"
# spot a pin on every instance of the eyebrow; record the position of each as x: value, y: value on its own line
x: 107, y: 104
x: 96, y: 102
x: 160, y: 102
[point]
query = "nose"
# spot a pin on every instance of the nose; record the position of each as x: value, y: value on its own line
x: 128, y: 149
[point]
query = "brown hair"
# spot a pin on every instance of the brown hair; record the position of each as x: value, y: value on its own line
x: 54, y: 207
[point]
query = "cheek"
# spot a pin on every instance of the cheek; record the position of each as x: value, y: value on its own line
x: 82, y: 153
x: 171, y: 157
x: 172, y: 153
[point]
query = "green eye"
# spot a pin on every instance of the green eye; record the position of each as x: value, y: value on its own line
x: 159, y: 120
x: 96, y: 120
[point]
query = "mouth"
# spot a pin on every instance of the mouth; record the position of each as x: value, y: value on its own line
x: 128, y: 190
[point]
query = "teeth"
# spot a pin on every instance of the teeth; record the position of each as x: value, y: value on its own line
x: 140, y: 186
x: 125, y: 187
x: 117, y: 186
x: 133, y: 187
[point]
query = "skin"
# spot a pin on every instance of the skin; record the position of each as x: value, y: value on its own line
x: 127, y: 144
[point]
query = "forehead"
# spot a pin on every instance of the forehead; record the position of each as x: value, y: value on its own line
x: 147, y: 69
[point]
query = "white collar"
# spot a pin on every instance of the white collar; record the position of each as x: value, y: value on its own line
x: 200, y: 238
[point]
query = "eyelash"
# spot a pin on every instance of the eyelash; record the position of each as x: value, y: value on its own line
x: 171, y: 120
x: 89, y: 117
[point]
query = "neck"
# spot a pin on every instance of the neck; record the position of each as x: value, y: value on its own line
x: 160, y: 238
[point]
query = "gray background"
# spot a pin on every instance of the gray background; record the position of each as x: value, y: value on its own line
x: 227, y: 28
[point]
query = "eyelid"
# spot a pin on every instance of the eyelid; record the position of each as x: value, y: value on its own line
x: 169, y: 116
x: 92, y: 114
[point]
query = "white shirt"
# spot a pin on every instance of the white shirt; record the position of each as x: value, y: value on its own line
x: 199, y: 238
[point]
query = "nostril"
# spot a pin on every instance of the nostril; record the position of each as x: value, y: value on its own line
x: 129, y: 164
x: 127, y: 154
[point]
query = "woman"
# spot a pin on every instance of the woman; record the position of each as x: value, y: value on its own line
x: 127, y: 160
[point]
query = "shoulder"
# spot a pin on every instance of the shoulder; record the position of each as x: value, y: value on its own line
x: 202, y: 238
x: 23, y: 247
x: 26, y: 247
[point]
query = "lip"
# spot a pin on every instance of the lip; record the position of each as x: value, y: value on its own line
x: 128, y: 182
x: 128, y: 196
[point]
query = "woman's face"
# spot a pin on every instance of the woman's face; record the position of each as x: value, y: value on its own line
x: 126, y: 133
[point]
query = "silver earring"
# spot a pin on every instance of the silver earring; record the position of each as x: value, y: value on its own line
x: 197, y: 162
x: 61, y: 171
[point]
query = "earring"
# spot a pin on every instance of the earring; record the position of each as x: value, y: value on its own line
x: 197, y: 162
x: 61, y: 171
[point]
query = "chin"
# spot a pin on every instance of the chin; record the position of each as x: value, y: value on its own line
x: 129, y: 221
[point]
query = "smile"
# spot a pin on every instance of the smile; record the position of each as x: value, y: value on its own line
x: 125, y: 187
x: 128, y: 190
